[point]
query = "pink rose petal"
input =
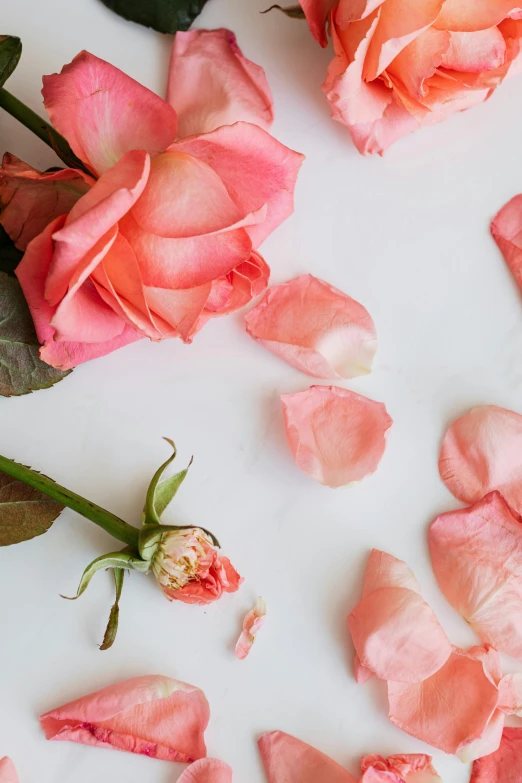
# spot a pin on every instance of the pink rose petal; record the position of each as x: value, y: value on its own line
x: 152, y: 715
x: 484, y: 50
x: 251, y: 625
x: 481, y: 452
x: 476, y: 554
x: 472, y: 15
x: 506, y: 228
x: 510, y: 698
x: 207, y: 771
x: 288, y: 760
x: 211, y: 83
x: 316, y: 12
x: 503, y: 766
x: 409, y: 768
x: 316, y: 328
x: 336, y: 436
x: 7, y: 771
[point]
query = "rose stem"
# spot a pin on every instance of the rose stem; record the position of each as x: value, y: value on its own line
x: 109, y: 522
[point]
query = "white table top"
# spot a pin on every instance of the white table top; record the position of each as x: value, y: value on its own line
x: 408, y: 237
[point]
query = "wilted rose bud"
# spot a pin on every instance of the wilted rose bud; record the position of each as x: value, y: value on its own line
x: 189, y: 567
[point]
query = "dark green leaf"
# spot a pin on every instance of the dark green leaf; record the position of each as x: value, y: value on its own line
x: 24, y: 512
x: 166, y: 16
x: 112, y: 625
x: 293, y: 11
x: 21, y: 370
x: 10, y: 51
x: 10, y: 256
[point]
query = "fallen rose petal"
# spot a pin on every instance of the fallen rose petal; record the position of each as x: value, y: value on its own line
x: 7, y: 771
x: 409, y: 768
x: 506, y: 228
x: 206, y: 771
x: 476, y: 554
x: 505, y: 764
x: 336, y: 436
x: 385, y: 570
x: 288, y: 760
x: 316, y: 328
x: 481, y: 452
x: 211, y: 83
x: 510, y: 694
x: 152, y: 715
x: 251, y: 625
x: 360, y: 672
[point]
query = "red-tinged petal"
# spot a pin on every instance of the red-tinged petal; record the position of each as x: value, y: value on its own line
x: 251, y: 625
x: 484, y: 50
x: 506, y: 228
x: 510, y: 694
x: 103, y: 113
x: 481, y: 452
x: 207, y: 771
x: 476, y: 554
x: 467, y: 16
x: 450, y: 709
x: 255, y: 168
x: 409, y: 768
x: 336, y: 436
x: 316, y: 328
x: 211, y: 83
x: 7, y: 771
x: 221, y: 578
x: 385, y: 570
x: 419, y: 60
x: 316, y: 12
x: 505, y: 764
x: 30, y: 199
x: 288, y: 760
x: 152, y: 715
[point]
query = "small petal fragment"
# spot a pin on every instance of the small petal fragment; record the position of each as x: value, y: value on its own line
x: 288, y: 760
x: 336, y: 436
x: 316, y: 328
x: 207, y: 771
x: 409, y: 768
x: 152, y: 715
x: 251, y: 625
x: 482, y: 452
x: 503, y: 766
x: 506, y: 229
x: 7, y: 771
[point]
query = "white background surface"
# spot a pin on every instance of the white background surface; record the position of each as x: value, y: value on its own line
x: 407, y: 236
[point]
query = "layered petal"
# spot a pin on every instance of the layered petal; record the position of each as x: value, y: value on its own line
x: 505, y: 764
x: 336, y: 436
x: 211, y: 83
x: 476, y: 554
x: 506, y: 228
x: 484, y: 50
x: 103, y: 113
x: 316, y: 328
x: 316, y: 12
x: 152, y: 715
x: 251, y: 625
x: 288, y: 760
x: 467, y: 16
x: 30, y: 199
x: 207, y: 771
x: 481, y: 452
x: 419, y: 60
x: 7, y: 771
x: 409, y: 768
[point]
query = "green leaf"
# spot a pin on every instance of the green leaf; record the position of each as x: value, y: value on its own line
x: 166, y: 16
x: 112, y: 626
x: 10, y: 256
x: 166, y: 489
x: 24, y: 512
x: 21, y: 369
x: 112, y: 560
x: 10, y: 51
x: 151, y: 515
x: 293, y: 11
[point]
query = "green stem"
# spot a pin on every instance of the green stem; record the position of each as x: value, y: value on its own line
x: 42, y: 129
x: 109, y: 522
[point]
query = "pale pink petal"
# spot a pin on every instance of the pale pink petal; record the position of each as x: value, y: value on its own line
x: 472, y: 15
x: 207, y: 771
x: 409, y: 768
x: 7, y: 771
x: 450, y: 709
x: 360, y: 673
x: 503, y: 766
x: 316, y: 12
x: 211, y: 83
x: 506, y: 228
x: 487, y: 743
x: 484, y: 50
x: 385, y: 570
x: 103, y: 113
x: 255, y: 168
x: 476, y: 554
x: 251, y: 625
x: 481, y: 452
x: 30, y: 199
x: 246, y: 281
x: 288, y: 760
x: 316, y: 328
x: 336, y: 436
x: 510, y: 694
x: 152, y: 715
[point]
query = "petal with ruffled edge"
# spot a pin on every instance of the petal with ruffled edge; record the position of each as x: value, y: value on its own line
x: 484, y: 50
x: 336, y: 436
x: 505, y: 764
x: 506, y: 229
x: 103, y: 113
x: 467, y: 16
x: 476, y: 554
x: 316, y: 328
x: 152, y: 715
x: 288, y: 760
x: 481, y: 452
x: 207, y: 771
x: 419, y: 60
x: 409, y: 768
x: 211, y: 83
x: 7, y: 771
x: 251, y: 625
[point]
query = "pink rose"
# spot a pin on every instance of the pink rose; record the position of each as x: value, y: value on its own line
x: 402, y: 64
x: 164, y: 236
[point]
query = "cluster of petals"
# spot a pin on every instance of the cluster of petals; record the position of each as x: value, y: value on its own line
x: 251, y: 625
x: 403, y: 64
x: 165, y: 233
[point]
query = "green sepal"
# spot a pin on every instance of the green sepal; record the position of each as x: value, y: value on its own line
x: 293, y: 11
x: 10, y: 52
x: 161, y: 493
x: 112, y: 560
x: 114, y: 616
x: 150, y: 537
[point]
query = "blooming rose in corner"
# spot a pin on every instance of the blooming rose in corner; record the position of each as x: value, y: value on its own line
x: 400, y: 65
x: 165, y: 234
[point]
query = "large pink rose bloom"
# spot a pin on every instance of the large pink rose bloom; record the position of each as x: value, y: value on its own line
x: 402, y: 64
x: 164, y: 236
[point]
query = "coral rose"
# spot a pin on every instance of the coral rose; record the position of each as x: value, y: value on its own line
x: 402, y: 64
x: 164, y: 236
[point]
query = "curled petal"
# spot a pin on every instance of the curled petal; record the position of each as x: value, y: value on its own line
x: 288, y: 760
x: 7, y: 771
x: 251, y: 625
x: 476, y: 554
x: 506, y: 229
x: 504, y: 765
x: 211, y: 83
x: 316, y: 12
x: 152, y: 715
x: 481, y: 452
x: 472, y: 15
x: 207, y: 771
x: 316, y: 328
x: 409, y: 768
x: 336, y: 436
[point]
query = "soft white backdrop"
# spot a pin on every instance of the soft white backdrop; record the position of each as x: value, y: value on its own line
x: 407, y: 236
